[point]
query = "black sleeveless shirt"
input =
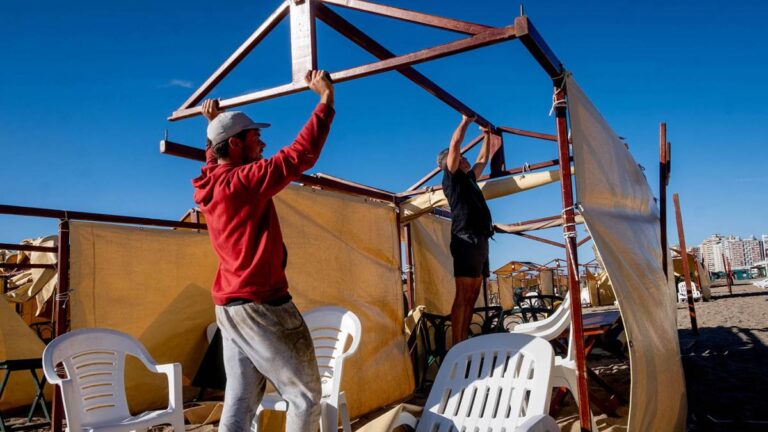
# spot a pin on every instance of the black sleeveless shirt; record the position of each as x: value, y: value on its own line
x: 470, y: 213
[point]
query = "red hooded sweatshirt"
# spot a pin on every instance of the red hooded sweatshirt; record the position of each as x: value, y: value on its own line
x: 242, y: 222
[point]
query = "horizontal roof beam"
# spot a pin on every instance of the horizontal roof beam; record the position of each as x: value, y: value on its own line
x: 238, y: 55
x: 530, y: 134
x: 95, y: 217
x: 411, y: 16
x: 357, y: 36
x: 536, y: 45
x: 489, y: 37
x: 185, y: 151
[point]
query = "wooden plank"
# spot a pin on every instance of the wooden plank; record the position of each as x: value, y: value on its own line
x: 366, y: 42
x: 411, y: 16
x: 303, y: 41
x: 490, y: 37
x: 237, y: 56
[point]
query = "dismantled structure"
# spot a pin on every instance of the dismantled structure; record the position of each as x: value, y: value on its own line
x: 161, y: 294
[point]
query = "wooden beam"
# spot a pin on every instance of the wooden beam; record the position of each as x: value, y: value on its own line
x: 526, y: 133
x: 489, y: 37
x: 357, y: 36
x: 303, y: 40
x: 539, y: 239
x: 237, y: 56
x: 181, y: 150
x: 411, y: 16
x: 536, y: 45
x: 498, y: 165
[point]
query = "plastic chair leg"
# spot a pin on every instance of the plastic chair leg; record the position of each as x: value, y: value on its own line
x: 347, y: 427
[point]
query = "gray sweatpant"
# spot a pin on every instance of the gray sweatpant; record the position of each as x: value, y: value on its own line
x: 268, y: 342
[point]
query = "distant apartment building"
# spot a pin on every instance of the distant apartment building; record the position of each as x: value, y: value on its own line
x: 740, y: 253
x: 753, y: 251
x: 695, y: 251
x: 733, y: 247
x: 712, y: 253
x: 765, y: 246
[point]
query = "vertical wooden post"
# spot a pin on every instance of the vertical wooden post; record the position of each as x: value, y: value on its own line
x: 663, y: 180
x: 569, y: 232
x: 496, y: 150
x: 303, y: 41
x: 60, y: 314
x: 686, y: 270
x: 409, y: 267
x: 728, y: 275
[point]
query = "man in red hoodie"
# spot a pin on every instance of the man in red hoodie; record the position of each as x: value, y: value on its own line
x: 264, y: 335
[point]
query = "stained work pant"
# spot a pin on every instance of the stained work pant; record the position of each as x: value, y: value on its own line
x: 268, y: 342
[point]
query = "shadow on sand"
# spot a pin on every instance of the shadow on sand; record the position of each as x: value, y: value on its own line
x: 718, y: 364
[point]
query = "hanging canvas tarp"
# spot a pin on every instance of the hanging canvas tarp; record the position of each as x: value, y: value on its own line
x: 155, y: 285
x: 18, y: 342
x: 433, y: 265
x: 620, y: 213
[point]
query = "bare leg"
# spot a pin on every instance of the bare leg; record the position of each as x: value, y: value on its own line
x: 467, y: 290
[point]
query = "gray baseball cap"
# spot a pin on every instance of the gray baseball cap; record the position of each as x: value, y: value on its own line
x: 230, y: 123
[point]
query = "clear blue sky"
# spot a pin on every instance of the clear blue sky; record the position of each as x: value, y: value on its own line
x: 86, y: 88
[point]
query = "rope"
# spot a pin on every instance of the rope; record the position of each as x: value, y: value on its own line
x: 63, y: 298
x: 555, y: 102
x: 576, y: 210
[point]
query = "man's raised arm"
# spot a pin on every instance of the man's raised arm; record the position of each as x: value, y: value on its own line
x: 485, y: 150
x: 454, y: 149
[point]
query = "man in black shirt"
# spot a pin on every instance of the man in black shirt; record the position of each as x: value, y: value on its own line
x: 471, y: 225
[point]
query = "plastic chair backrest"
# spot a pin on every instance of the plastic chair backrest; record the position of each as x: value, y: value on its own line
x: 491, y: 382
x: 94, y: 362
x: 330, y: 328
x: 552, y: 326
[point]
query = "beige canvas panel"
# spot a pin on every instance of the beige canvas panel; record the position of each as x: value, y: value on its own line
x: 622, y: 217
x: 18, y: 342
x: 153, y: 284
x: 433, y: 265
x: 425, y: 202
x: 344, y: 250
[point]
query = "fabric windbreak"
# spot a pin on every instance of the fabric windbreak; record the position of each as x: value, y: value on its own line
x: 344, y: 250
x: 432, y: 262
x: 620, y: 213
x: 18, y: 342
x: 155, y: 285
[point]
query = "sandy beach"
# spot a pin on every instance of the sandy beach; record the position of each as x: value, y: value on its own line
x: 725, y: 365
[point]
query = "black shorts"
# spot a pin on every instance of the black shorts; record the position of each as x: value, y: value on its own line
x: 470, y: 255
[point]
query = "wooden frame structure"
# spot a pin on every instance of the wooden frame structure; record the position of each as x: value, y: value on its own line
x: 303, y: 14
x: 61, y: 296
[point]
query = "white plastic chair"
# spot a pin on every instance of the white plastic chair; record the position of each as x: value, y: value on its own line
x: 564, y: 373
x: 682, y: 292
x: 495, y: 382
x: 330, y: 328
x: 93, y: 390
